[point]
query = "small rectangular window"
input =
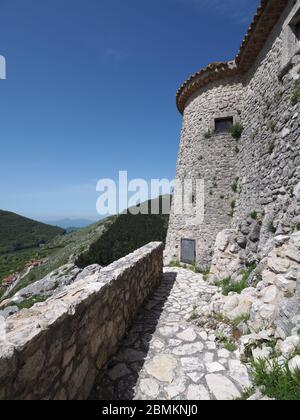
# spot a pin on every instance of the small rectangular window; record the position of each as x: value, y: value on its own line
x: 223, y: 124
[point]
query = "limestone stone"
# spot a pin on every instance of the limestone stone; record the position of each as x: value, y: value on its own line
x: 278, y: 265
x: 211, y: 345
x: 231, y: 303
x: 294, y: 364
x: 263, y: 353
x: 159, y: 345
x: 268, y: 277
x: 239, y: 373
x: 203, y: 335
x: 269, y: 294
x: 162, y: 368
x: 221, y: 387
x: 285, y: 132
x: 214, y: 367
x: 197, y: 393
x: 178, y: 387
x: 295, y: 237
x: 169, y: 331
x: 191, y: 363
x: 188, y: 349
x: 281, y: 240
x: 208, y: 357
x: 285, y: 285
x: 290, y: 345
x: 223, y: 353
x: 293, y: 254
x: 174, y: 343
x: 149, y: 387
x: 187, y: 335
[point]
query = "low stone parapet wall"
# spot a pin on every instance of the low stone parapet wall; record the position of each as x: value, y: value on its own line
x: 56, y: 349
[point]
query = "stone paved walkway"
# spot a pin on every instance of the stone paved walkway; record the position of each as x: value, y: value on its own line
x: 167, y: 357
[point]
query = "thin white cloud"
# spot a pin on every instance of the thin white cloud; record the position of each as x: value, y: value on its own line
x: 115, y: 55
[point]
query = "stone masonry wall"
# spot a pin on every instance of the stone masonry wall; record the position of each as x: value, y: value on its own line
x: 265, y: 162
x: 55, y: 349
x: 269, y: 160
x: 212, y: 159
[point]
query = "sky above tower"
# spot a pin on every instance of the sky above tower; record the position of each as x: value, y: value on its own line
x: 90, y: 91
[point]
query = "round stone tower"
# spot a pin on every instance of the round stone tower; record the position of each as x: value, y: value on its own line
x: 211, y: 104
x: 255, y: 98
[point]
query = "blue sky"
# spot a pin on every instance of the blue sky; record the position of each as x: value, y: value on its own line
x: 90, y: 90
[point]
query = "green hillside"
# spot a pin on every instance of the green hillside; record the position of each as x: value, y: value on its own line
x: 100, y: 243
x: 128, y: 233
x: 57, y: 253
x: 19, y: 233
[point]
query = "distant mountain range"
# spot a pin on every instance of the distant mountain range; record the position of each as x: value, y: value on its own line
x: 71, y: 223
x: 18, y: 232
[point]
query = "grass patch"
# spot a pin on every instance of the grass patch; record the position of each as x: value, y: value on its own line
x: 234, y: 186
x: 208, y: 134
x: 194, y: 315
x: 246, y: 394
x: 175, y: 264
x: 221, y: 318
x: 271, y: 125
x: 289, y: 294
x: 243, y: 318
x: 232, y: 207
x: 271, y: 148
x: 229, y: 346
x: 205, y: 274
x: 296, y: 93
x: 236, y: 131
x: 254, y: 215
x: 193, y: 267
x: 28, y: 303
x: 271, y: 228
x: 278, y: 381
x: 229, y: 286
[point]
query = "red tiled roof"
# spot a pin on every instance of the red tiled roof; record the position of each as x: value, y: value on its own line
x: 264, y: 20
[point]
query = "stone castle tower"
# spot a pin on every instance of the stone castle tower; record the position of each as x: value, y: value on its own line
x: 255, y: 173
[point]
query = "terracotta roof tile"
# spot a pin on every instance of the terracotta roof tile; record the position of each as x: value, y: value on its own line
x: 266, y: 17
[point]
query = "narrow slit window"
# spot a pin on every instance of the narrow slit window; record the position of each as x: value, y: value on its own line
x: 297, y: 30
x: 223, y: 125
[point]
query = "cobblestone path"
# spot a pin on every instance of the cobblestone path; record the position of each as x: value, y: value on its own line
x: 166, y: 357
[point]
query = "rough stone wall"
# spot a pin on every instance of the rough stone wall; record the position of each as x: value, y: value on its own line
x: 212, y: 159
x: 56, y: 349
x: 265, y: 161
x: 269, y: 157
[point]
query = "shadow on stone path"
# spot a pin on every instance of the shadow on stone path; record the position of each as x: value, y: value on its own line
x: 166, y: 357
